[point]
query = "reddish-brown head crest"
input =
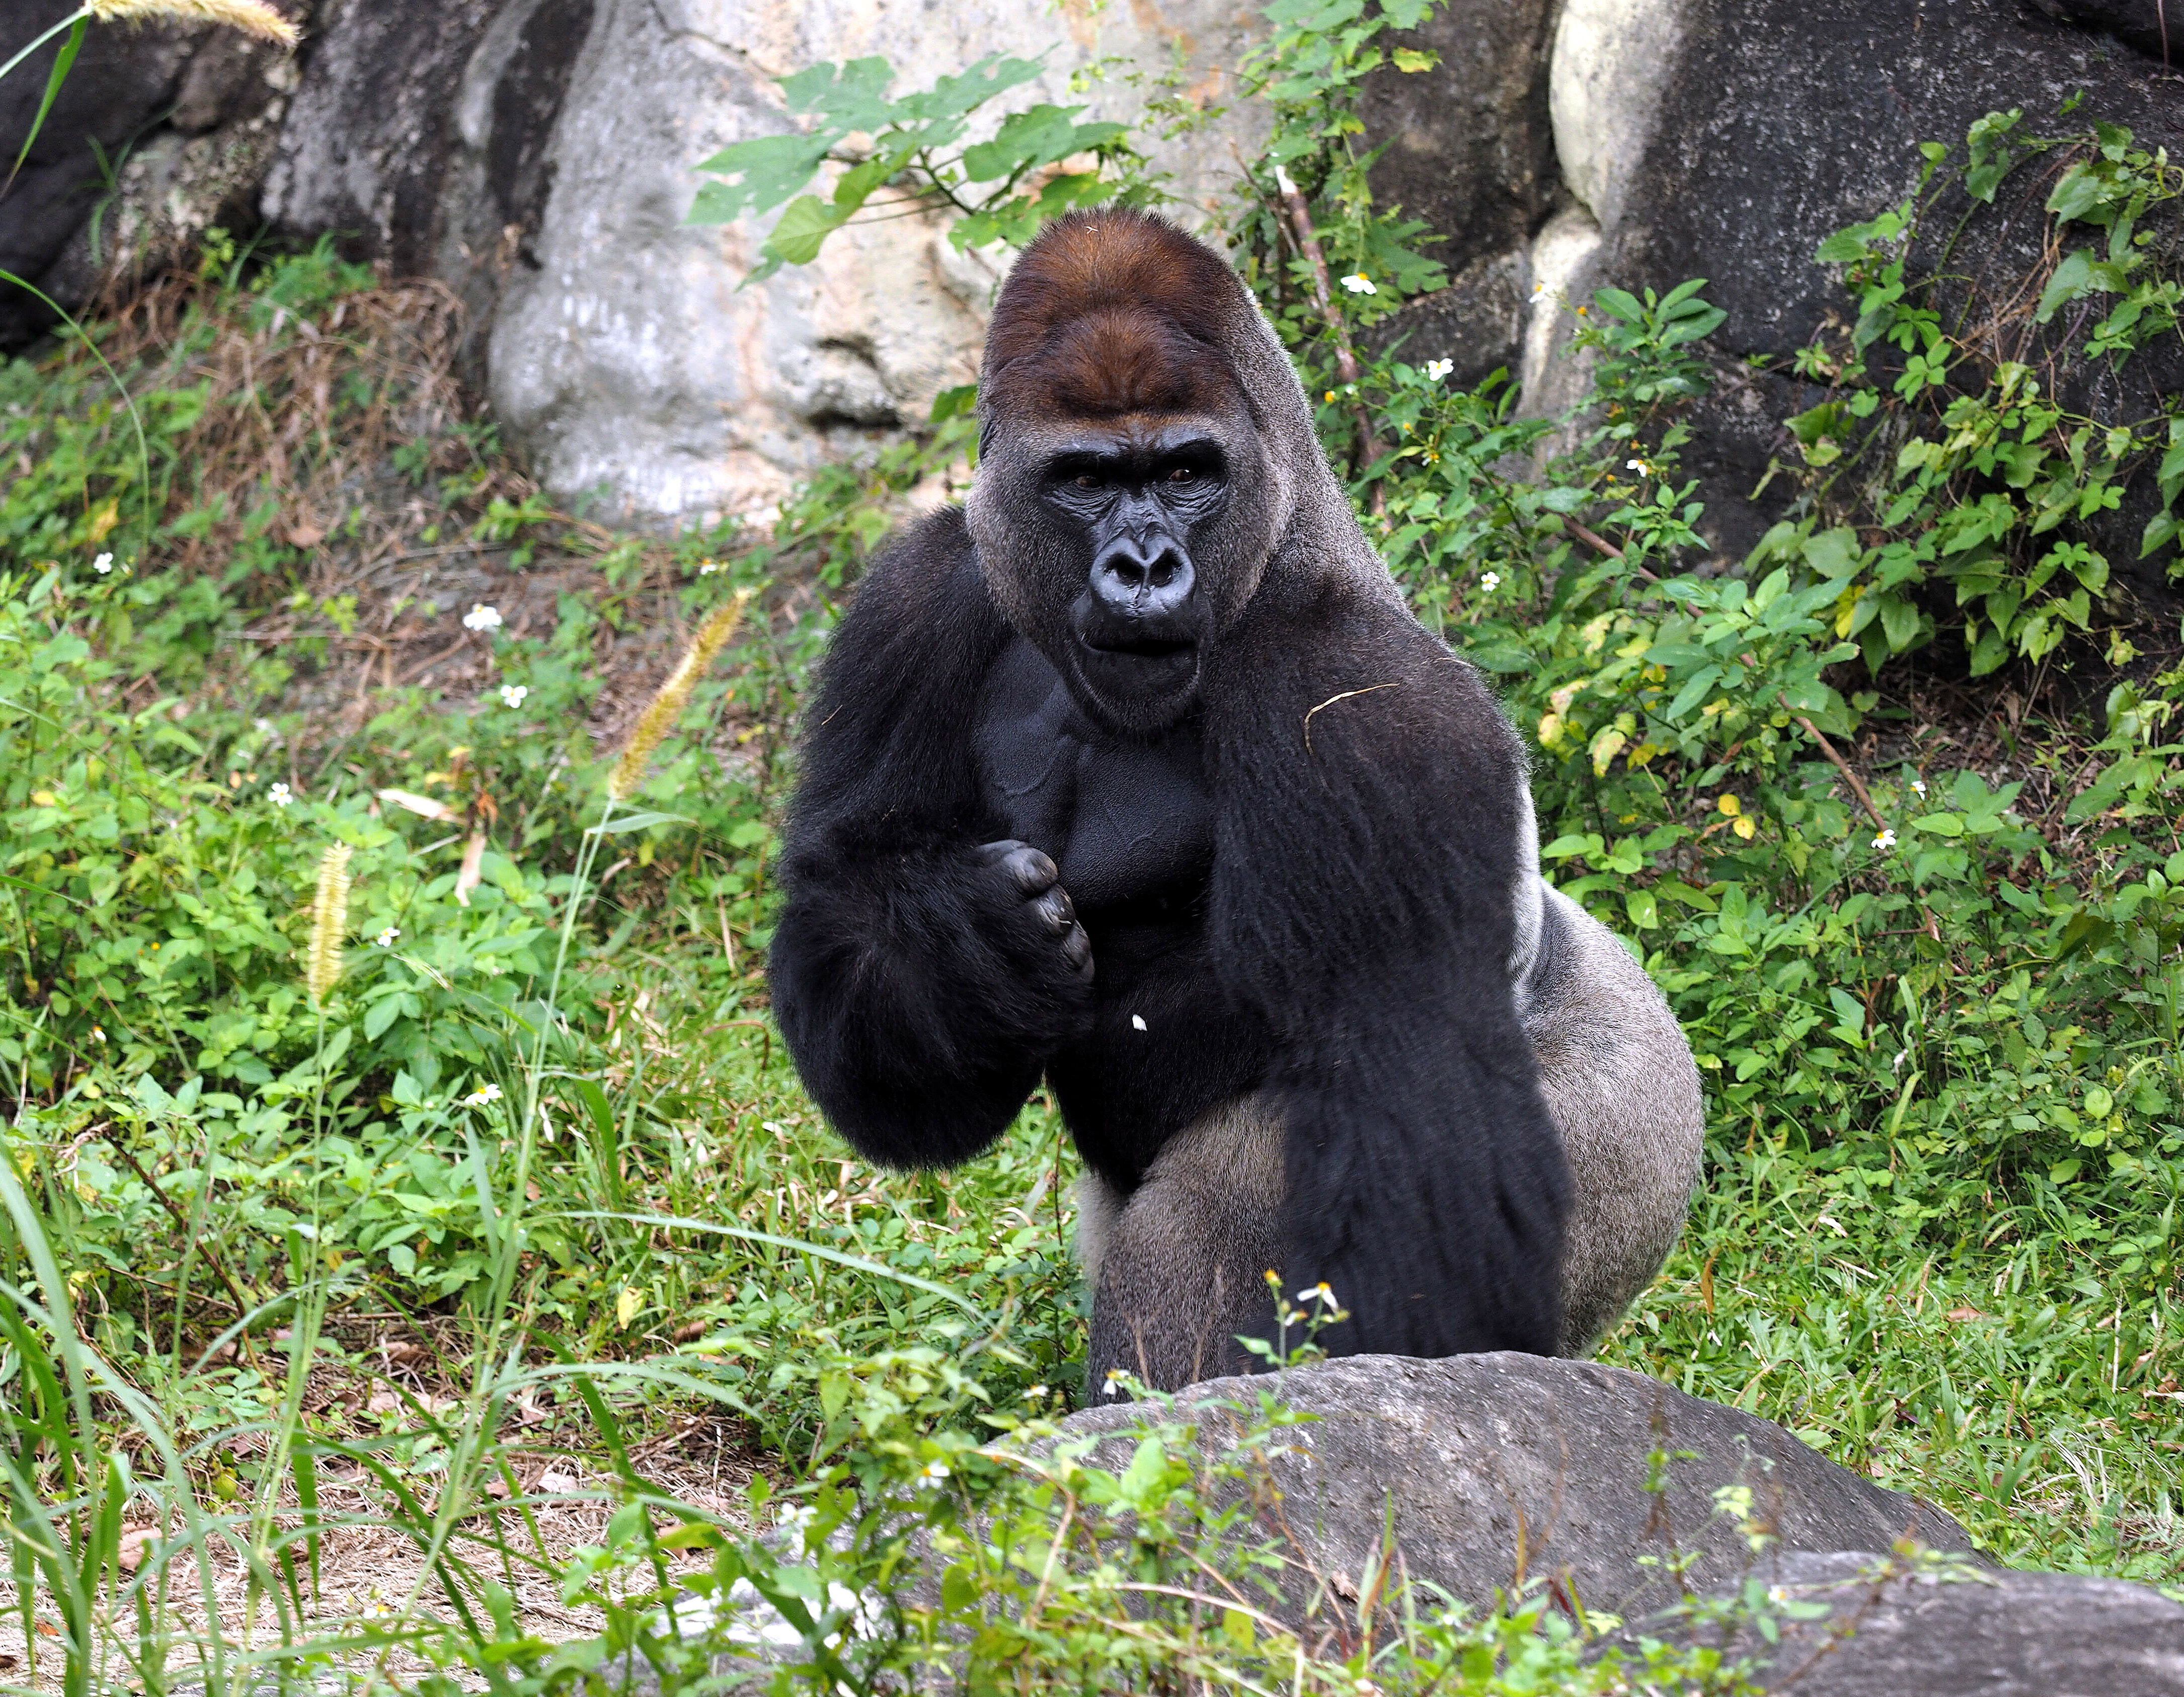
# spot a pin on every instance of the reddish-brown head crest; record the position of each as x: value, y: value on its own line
x: 1108, y: 313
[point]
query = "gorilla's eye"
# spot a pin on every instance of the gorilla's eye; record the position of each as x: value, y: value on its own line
x: 1182, y: 474
x: 1086, y: 480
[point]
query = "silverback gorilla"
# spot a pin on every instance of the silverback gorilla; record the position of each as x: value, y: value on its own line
x: 1136, y: 774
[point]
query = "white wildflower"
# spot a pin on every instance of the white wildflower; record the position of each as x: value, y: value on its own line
x: 103, y: 565
x: 1885, y: 840
x: 1137, y: 1021
x: 934, y: 1469
x: 1438, y: 369
x: 483, y: 617
x: 1113, y: 1388
x: 1490, y: 581
x: 1358, y: 283
x: 1918, y: 786
x: 1538, y: 290
x: 708, y: 568
x: 482, y: 1095
x: 1638, y: 466
x: 512, y: 694
x: 385, y: 938
x: 280, y: 795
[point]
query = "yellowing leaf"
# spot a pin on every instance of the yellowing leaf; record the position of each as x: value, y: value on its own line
x: 1415, y: 58
x: 626, y: 1305
x: 1551, y: 730
x: 1744, y: 827
x: 44, y: 798
x: 1730, y: 805
x: 424, y: 806
x: 102, y: 521
x: 1605, y: 747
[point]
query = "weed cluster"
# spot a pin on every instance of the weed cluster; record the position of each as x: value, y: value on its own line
x: 446, y: 1316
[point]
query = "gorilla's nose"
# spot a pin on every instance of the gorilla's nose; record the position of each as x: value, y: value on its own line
x: 1143, y: 582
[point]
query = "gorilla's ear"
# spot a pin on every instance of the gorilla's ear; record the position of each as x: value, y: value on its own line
x: 985, y: 437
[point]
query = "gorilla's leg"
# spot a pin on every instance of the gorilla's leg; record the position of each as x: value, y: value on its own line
x: 1178, y: 1268
x: 1619, y: 1081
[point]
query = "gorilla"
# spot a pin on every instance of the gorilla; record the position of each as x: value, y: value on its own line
x: 1136, y: 773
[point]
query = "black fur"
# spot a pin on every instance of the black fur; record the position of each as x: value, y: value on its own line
x: 1295, y: 867
x: 1345, y: 944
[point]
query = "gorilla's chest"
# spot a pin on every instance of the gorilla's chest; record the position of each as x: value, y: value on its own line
x: 1125, y: 821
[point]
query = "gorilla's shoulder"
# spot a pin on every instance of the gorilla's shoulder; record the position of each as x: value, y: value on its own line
x: 929, y: 557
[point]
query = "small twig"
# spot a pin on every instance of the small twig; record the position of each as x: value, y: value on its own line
x: 1331, y: 700
x: 1842, y: 766
x: 1594, y: 539
x: 1323, y: 289
x: 211, y: 1255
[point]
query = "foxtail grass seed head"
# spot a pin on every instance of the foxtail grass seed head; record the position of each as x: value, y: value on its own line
x: 252, y: 17
x: 322, y: 965
x: 667, y: 707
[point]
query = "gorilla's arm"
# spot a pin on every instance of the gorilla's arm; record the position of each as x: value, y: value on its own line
x: 1368, y: 792
x: 921, y: 973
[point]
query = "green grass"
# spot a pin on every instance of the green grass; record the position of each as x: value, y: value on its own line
x: 520, y: 1280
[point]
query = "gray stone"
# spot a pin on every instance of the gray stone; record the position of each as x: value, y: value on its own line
x: 1889, y: 1629
x: 631, y: 364
x: 1727, y: 138
x: 121, y: 80
x: 1504, y: 1467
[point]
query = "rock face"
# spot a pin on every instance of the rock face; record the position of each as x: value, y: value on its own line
x: 538, y: 155
x: 107, y: 119
x: 630, y: 361
x: 1502, y: 1467
x: 1997, y: 1634
x: 1726, y: 138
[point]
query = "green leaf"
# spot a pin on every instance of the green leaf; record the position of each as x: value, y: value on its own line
x: 808, y: 222
x: 63, y: 61
x: 638, y: 822
x: 851, y: 95
x: 1036, y: 137
x: 2072, y: 278
x: 1415, y: 58
x: 1643, y: 908
x: 764, y: 173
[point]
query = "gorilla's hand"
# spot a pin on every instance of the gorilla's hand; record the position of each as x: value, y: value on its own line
x: 1033, y: 912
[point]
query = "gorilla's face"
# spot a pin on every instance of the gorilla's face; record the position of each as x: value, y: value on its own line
x: 1138, y: 625
x: 1130, y: 546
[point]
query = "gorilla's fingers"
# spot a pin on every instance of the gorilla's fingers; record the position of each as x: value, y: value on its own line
x: 1054, y: 908
x: 1076, y: 950
x: 1033, y: 873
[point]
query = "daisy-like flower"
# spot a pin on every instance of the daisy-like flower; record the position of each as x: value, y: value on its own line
x: 483, y: 617
x: 934, y: 1469
x: 1113, y: 1388
x: 1322, y: 1292
x: 280, y: 795
x: 1358, y: 283
x: 103, y: 565
x: 512, y: 694
x: 385, y: 938
x: 1490, y: 581
x: 1638, y: 466
x: 482, y: 1095
x: 1918, y: 786
x: 707, y: 569
x: 1538, y: 290
x: 1438, y: 369
x: 1884, y: 839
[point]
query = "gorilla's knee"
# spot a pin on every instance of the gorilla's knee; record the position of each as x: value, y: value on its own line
x: 1181, y: 1269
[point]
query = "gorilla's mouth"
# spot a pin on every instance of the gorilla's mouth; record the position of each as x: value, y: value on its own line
x: 1144, y: 645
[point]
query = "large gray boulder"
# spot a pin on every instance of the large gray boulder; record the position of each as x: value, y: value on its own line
x: 627, y: 358
x: 1727, y: 138
x: 1497, y: 1469
x: 1888, y: 1629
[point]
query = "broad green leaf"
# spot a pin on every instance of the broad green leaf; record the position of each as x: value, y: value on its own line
x: 763, y: 173
x: 638, y: 822
x: 850, y: 96
x: 807, y: 222
x: 2072, y: 279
